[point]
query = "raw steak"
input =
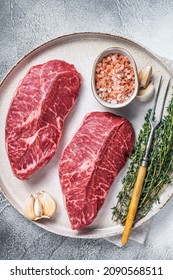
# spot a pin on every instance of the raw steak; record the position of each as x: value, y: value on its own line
x: 37, y: 113
x: 90, y: 163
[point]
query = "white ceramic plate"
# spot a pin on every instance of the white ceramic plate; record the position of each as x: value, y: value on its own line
x: 81, y: 50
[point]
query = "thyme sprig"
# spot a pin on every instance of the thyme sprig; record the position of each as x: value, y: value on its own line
x: 159, y: 172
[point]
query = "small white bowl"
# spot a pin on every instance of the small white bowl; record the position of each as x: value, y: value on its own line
x: 105, y: 53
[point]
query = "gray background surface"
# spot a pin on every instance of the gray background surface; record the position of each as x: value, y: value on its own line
x: 23, y: 26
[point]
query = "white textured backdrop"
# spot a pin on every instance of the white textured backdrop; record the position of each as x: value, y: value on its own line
x: 25, y: 24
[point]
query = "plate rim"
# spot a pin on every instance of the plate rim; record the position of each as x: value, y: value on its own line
x: 75, y: 36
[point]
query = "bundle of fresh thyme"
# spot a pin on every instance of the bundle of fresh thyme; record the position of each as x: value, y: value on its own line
x: 159, y: 170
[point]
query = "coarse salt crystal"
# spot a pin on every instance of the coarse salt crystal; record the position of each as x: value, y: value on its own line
x: 129, y: 77
x: 119, y: 98
x: 114, y: 101
x: 119, y: 76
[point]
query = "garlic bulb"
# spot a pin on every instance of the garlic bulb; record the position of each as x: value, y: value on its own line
x: 144, y: 76
x: 146, y: 94
x: 42, y: 205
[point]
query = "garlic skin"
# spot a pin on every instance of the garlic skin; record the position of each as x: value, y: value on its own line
x: 38, y: 208
x: 29, y: 208
x: 146, y: 94
x: 48, y: 203
x: 41, y: 205
x: 144, y: 76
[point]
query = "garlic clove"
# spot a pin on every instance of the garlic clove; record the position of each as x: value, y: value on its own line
x: 144, y: 76
x: 38, y: 208
x: 48, y: 203
x: 29, y: 208
x: 146, y: 94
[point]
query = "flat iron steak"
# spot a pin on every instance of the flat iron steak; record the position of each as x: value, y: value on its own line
x: 90, y: 163
x: 35, y: 118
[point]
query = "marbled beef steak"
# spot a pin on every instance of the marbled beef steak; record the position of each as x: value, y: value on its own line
x: 35, y: 119
x: 90, y: 163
